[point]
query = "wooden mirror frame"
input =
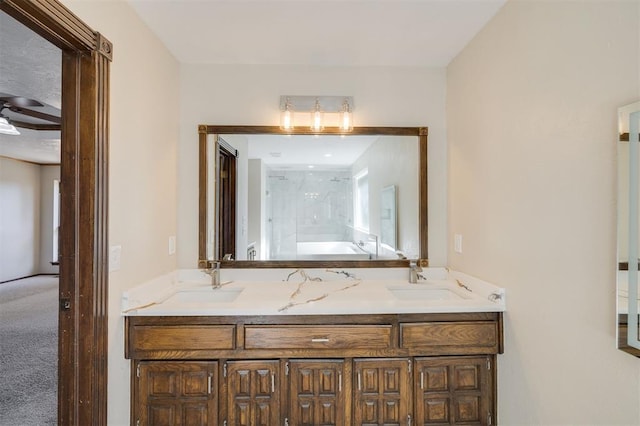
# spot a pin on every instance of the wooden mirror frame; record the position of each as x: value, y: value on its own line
x: 83, y: 288
x: 205, y: 130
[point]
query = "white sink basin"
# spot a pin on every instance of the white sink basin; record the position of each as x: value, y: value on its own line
x: 209, y: 295
x: 425, y: 293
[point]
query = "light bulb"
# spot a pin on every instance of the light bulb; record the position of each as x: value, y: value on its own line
x: 346, y: 118
x: 287, y: 122
x: 316, y: 118
x: 286, y: 118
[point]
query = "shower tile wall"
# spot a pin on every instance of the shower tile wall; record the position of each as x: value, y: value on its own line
x: 308, y: 206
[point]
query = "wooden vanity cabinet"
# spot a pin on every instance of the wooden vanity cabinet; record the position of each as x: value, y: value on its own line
x: 396, y: 369
x: 453, y: 390
x: 316, y: 392
x: 382, y: 394
x: 252, y: 393
x: 176, y: 393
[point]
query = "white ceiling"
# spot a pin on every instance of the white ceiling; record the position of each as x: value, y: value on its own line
x: 303, y: 151
x: 392, y: 33
x: 30, y: 67
x: 317, y: 32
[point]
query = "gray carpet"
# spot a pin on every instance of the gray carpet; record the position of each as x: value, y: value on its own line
x: 29, y: 352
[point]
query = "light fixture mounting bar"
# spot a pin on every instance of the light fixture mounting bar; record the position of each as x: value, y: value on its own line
x: 308, y: 103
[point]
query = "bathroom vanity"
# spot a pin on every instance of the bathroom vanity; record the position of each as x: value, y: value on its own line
x: 301, y: 352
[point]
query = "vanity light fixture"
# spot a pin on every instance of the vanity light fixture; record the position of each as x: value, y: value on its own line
x: 322, y: 111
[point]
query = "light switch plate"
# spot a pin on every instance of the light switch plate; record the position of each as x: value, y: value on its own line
x: 115, y: 253
x: 172, y: 245
x: 457, y: 243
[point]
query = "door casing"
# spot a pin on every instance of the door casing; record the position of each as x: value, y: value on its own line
x: 82, y: 338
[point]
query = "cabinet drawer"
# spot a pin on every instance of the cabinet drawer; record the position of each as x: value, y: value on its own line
x: 184, y: 337
x: 482, y: 334
x: 318, y: 337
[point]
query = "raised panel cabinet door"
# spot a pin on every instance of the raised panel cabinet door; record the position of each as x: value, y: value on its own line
x: 382, y: 391
x: 453, y: 391
x: 253, y: 393
x: 315, y: 392
x: 175, y: 393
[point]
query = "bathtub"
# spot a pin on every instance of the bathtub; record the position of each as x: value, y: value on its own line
x: 330, y: 250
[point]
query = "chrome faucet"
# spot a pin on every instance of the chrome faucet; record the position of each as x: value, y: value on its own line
x: 214, y: 273
x: 414, y: 272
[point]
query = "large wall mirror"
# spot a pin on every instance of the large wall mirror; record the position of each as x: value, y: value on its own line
x: 270, y: 198
x: 628, y: 229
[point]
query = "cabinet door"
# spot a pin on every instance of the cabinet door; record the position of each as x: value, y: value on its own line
x: 382, y: 391
x: 175, y: 393
x: 453, y: 390
x: 252, y: 393
x: 315, y: 392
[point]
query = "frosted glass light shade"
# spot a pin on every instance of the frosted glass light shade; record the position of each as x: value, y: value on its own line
x: 7, y: 128
x: 346, y: 117
x: 286, y: 117
x: 317, y: 118
x: 286, y: 120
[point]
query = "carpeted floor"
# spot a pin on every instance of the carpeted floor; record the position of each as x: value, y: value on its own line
x: 29, y: 351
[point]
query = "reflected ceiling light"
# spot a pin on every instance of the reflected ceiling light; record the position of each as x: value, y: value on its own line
x: 6, y: 127
x: 323, y: 111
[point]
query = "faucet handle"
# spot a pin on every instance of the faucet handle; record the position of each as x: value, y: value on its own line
x: 214, y: 268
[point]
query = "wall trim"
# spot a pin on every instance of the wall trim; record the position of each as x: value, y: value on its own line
x: 82, y: 335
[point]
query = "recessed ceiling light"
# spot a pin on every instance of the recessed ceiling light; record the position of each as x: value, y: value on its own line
x: 328, y: 154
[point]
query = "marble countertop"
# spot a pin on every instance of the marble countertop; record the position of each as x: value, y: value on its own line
x: 312, y: 292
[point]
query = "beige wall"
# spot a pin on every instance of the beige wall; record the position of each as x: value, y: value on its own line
x: 19, y: 219
x: 142, y: 168
x: 26, y: 218
x: 531, y: 111
x: 532, y: 107
x: 219, y: 94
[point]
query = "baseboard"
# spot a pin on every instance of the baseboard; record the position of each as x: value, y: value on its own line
x: 29, y: 276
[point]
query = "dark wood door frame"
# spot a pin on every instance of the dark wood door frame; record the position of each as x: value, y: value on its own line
x: 82, y: 339
x: 226, y: 194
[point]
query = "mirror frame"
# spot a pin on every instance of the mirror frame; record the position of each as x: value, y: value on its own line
x: 622, y: 319
x: 205, y: 130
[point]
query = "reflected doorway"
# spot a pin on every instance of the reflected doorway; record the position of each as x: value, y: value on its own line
x: 227, y: 199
